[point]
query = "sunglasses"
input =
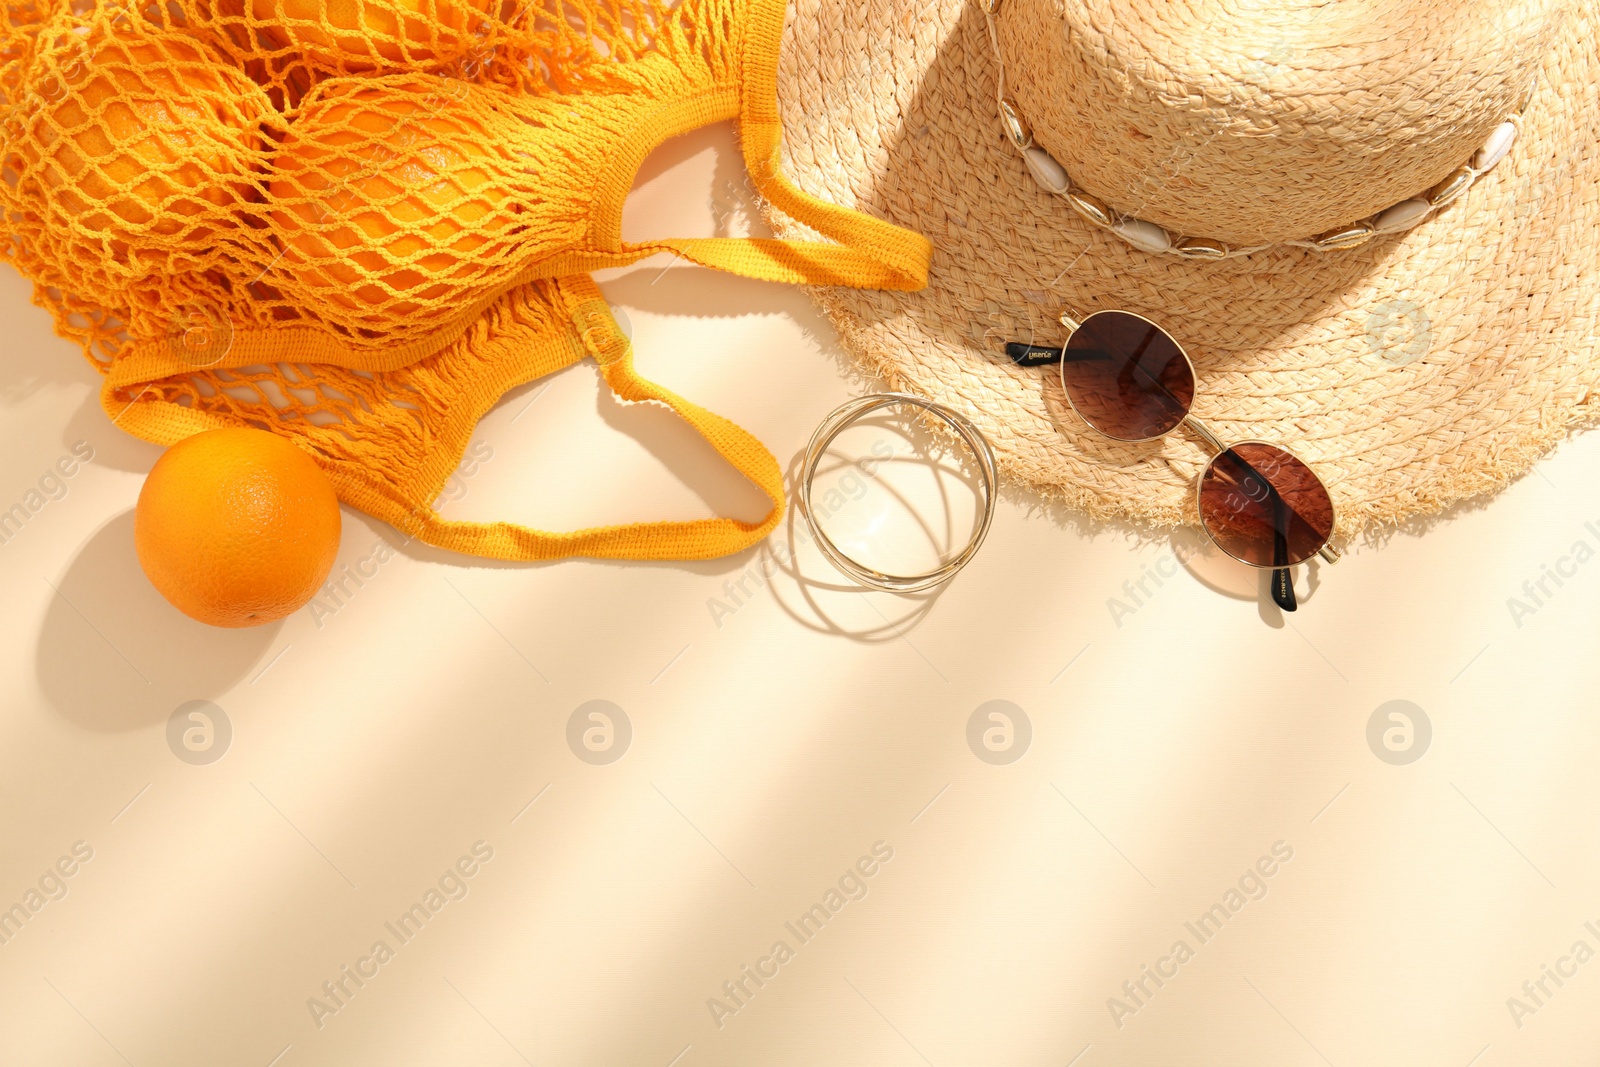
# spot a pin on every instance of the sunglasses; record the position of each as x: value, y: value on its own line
x: 1130, y: 381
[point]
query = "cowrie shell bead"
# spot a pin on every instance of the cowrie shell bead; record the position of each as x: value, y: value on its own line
x: 1526, y: 96
x: 1349, y: 237
x: 1199, y: 248
x: 1450, y: 188
x: 1090, y: 208
x: 1046, y: 171
x: 1495, y: 148
x: 1017, y: 127
x: 1142, y: 234
x: 1403, y: 216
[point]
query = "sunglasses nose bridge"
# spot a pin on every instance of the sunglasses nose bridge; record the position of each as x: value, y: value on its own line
x: 1205, y: 433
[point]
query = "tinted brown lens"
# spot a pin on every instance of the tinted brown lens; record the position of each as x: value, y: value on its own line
x: 1263, y: 506
x: 1126, y: 377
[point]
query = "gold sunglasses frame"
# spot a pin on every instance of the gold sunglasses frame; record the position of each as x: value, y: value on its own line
x: 1201, y: 430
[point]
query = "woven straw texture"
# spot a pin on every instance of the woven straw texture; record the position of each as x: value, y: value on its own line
x: 1412, y: 372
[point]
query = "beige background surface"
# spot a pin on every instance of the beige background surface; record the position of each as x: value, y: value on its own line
x: 1171, y: 748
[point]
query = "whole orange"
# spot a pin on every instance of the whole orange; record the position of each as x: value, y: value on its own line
x: 385, y: 201
x: 236, y: 527
x: 131, y: 137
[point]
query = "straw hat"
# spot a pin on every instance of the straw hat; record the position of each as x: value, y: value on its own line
x: 1372, y: 224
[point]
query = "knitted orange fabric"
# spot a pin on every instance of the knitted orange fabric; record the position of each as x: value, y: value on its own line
x: 358, y: 223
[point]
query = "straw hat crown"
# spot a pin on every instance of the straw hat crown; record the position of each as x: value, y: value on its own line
x: 1259, y: 121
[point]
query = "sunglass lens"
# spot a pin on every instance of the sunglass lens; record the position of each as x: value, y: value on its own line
x: 1263, y: 506
x: 1126, y: 377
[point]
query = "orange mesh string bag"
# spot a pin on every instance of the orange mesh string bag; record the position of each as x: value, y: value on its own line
x: 358, y: 223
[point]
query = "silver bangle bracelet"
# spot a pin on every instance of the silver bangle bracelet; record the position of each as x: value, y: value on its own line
x: 853, y: 411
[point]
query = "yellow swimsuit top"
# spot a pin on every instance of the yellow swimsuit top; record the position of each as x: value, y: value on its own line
x: 250, y: 218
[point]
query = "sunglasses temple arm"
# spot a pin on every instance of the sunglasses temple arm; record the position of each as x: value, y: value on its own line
x: 1025, y: 355
x: 1282, y: 580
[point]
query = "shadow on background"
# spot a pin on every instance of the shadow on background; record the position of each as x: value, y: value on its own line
x: 717, y: 486
x: 32, y: 357
x: 114, y: 655
x: 686, y: 290
x: 114, y: 447
x: 819, y: 597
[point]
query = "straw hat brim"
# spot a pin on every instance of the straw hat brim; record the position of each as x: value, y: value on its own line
x: 1413, y: 372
